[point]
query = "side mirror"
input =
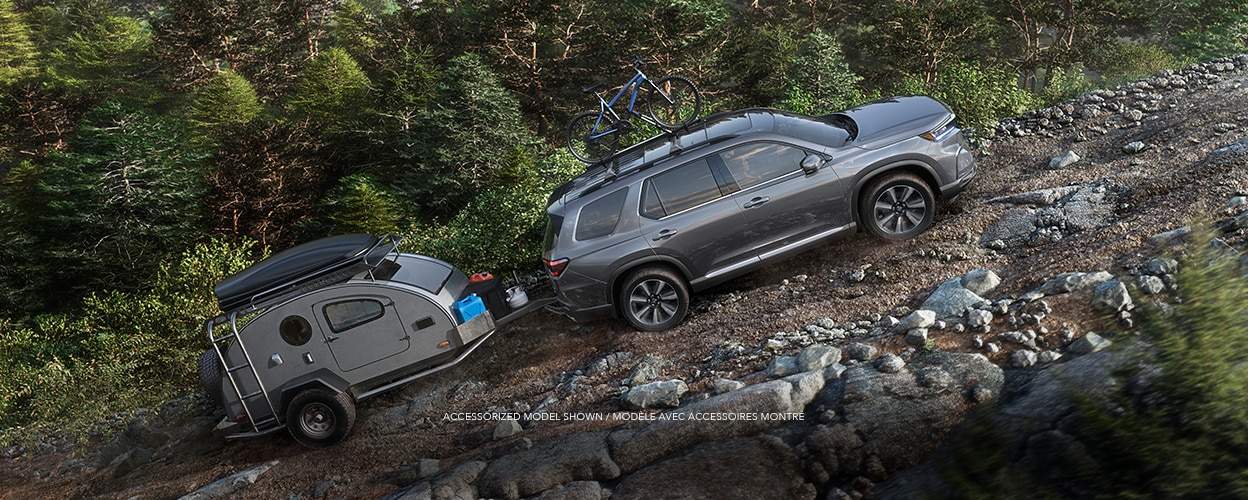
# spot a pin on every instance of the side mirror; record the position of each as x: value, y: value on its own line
x: 811, y: 163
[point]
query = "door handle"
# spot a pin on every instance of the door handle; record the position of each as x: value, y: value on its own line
x: 331, y: 338
x: 756, y: 202
x: 664, y: 234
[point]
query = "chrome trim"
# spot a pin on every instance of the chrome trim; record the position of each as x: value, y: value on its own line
x: 803, y: 242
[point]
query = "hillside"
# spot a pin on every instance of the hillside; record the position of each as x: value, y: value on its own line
x: 1025, y: 219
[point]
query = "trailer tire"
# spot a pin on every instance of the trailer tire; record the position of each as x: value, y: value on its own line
x: 318, y: 418
x: 210, y: 374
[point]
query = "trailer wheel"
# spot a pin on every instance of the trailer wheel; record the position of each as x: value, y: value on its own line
x: 318, y: 418
x: 210, y: 374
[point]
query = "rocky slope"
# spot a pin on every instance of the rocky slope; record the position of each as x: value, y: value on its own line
x: 827, y: 375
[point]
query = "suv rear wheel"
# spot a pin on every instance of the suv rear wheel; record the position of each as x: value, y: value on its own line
x: 898, y: 206
x: 654, y: 299
x: 318, y: 418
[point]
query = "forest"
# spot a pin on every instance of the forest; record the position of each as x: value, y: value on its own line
x: 149, y: 148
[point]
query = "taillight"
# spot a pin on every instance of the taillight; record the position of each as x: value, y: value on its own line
x: 555, y: 267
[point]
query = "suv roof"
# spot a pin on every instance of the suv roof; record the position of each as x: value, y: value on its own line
x: 834, y: 130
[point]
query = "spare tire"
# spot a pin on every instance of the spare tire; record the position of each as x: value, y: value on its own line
x: 210, y: 374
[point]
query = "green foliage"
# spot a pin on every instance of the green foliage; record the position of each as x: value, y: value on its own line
x: 129, y: 189
x: 1062, y: 84
x: 331, y: 90
x: 109, y: 59
x: 978, y: 96
x: 1122, y: 62
x: 1182, y: 432
x: 120, y: 350
x: 469, y: 132
x: 359, y: 204
x: 819, y: 80
x: 18, y: 54
x: 514, y: 214
x: 228, y: 99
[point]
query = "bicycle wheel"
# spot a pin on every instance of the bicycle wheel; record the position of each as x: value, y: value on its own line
x: 674, y: 101
x: 586, y: 149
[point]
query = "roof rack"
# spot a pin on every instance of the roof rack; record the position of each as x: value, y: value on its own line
x: 306, y: 267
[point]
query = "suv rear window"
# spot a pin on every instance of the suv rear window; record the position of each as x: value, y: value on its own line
x: 599, y: 218
x: 679, y: 189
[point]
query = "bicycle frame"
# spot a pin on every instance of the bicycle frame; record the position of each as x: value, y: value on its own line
x: 605, y: 107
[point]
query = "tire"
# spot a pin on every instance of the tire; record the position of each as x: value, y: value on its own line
x: 897, y: 207
x: 210, y: 374
x: 674, y: 101
x: 654, y: 299
x: 318, y: 418
x: 584, y: 149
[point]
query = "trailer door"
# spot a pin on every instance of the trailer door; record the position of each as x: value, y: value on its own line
x: 362, y: 329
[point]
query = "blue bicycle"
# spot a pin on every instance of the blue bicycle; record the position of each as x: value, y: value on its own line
x: 673, y: 101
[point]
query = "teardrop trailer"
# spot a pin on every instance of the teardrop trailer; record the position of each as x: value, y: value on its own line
x: 311, y: 330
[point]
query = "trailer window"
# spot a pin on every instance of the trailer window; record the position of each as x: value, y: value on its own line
x: 348, y: 314
x: 295, y: 330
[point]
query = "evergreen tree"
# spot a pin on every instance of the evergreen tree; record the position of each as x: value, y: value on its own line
x: 466, y: 141
x: 332, y: 89
x: 226, y: 100
x: 125, y: 196
x: 18, y: 54
x: 110, y: 59
x: 819, y: 80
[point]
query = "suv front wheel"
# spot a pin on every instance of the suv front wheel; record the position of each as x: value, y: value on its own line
x: 898, y: 207
x: 654, y: 299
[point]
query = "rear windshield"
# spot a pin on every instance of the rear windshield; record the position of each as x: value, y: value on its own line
x: 812, y: 130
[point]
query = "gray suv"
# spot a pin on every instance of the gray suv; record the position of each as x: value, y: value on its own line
x: 635, y: 235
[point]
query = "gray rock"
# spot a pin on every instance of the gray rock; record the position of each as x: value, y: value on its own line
x: 1170, y: 237
x: 1023, y: 359
x: 981, y: 281
x: 576, y: 490
x: 1235, y: 148
x: 1089, y: 343
x: 1134, y: 115
x: 818, y: 357
x: 228, y: 486
x: 917, y: 337
x: 976, y: 318
x: 722, y: 386
x: 1038, y: 198
x: 1112, y: 296
x: 1017, y: 338
x: 834, y: 371
x: 921, y: 318
x: 506, y: 429
x: 782, y: 366
x: 889, y: 363
x: 457, y: 482
x: 1063, y: 161
x: 951, y: 299
x: 665, y: 394
x: 647, y: 370
x: 1162, y: 266
x: 1074, y: 282
x: 750, y: 467
x: 679, y: 429
x: 580, y: 456
x: 861, y: 352
x: 1046, y: 357
x: 1151, y: 285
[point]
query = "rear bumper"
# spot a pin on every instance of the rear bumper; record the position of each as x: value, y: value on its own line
x: 583, y: 314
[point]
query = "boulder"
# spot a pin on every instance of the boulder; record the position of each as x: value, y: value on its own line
x: 664, y: 394
x: 818, y: 357
x: 921, y: 318
x: 1112, y: 297
x: 1063, y: 161
x: 581, y: 456
x: 952, y: 299
x: 760, y: 467
x: 1074, y: 282
x: 1089, y: 343
x: 229, y: 486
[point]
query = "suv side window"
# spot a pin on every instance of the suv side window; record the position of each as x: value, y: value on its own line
x: 679, y: 189
x: 599, y: 218
x: 756, y: 163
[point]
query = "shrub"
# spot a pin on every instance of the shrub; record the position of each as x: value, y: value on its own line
x: 979, y: 96
x: 1181, y: 431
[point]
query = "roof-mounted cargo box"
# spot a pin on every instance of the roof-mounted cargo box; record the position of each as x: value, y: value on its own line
x: 317, y: 263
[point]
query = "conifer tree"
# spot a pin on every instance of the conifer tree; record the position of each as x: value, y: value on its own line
x: 18, y: 54
x: 225, y: 100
